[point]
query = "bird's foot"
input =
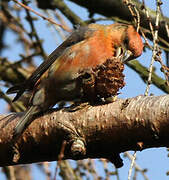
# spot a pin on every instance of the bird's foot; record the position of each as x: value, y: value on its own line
x: 110, y: 99
x: 77, y: 106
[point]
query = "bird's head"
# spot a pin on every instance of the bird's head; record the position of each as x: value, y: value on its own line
x: 129, y: 40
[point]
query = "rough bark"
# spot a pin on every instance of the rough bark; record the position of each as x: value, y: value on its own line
x: 101, y: 131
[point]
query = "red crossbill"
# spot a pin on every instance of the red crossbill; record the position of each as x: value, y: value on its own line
x: 87, y: 47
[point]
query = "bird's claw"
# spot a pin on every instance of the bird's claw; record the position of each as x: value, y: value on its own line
x: 77, y: 106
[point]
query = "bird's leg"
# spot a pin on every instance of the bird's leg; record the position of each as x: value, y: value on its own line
x: 77, y: 105
x: 110, y: 99
x: 61, y: 104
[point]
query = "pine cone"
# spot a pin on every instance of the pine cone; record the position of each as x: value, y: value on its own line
x: 103, y: 81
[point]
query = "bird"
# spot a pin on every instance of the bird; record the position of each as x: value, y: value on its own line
x: 87, y: 47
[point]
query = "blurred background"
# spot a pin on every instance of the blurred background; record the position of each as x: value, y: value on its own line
x: 25, y: 41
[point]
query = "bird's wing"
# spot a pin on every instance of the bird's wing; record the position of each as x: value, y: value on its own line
x: 77, y: 36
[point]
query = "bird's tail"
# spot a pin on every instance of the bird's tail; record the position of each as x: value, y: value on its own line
x: 25, y: 120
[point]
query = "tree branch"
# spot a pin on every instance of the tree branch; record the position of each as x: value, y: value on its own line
x: 143, y: 73
x: 101, y: 131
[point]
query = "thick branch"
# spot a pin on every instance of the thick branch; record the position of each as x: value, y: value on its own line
x: 91, y: 132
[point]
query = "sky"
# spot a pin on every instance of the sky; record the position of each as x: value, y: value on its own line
x: 154, y: 159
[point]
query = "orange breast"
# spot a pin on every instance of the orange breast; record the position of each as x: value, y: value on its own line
x: 86, y: 54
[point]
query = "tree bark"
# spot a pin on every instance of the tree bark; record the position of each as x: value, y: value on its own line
x: 101, y: 131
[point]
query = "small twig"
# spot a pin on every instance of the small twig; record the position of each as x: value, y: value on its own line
x: 89, y: 165
x: 148, y: 18
x: 38, y: 43
x: 167, y: 29
x: 134, y: 12
x: 9, y: 172
x: 164, y: 68
x: 68, y: 13
x: 155, y: 37
x: 42, y: 16
x: 59, y: 30
x: 13, y: 23
x: 158, y: 53
x: 117, y: 174
x: 62, y: 21
x: 131, y: 165
x: 60, y: 157
x: 167, y: 58
x: 137, y: 167
x: 146, y: 40
x: 24, y: 59
x: 136, y: 17
x: 46, y: 170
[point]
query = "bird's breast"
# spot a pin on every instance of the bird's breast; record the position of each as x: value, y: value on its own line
x: 82, y: 56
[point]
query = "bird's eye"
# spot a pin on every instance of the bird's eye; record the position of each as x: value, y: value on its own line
x: 126, y: 41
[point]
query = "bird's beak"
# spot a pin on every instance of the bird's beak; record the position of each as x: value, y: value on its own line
x: 124, y: 54
x: 128, y: 56
x: 119, y: 52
